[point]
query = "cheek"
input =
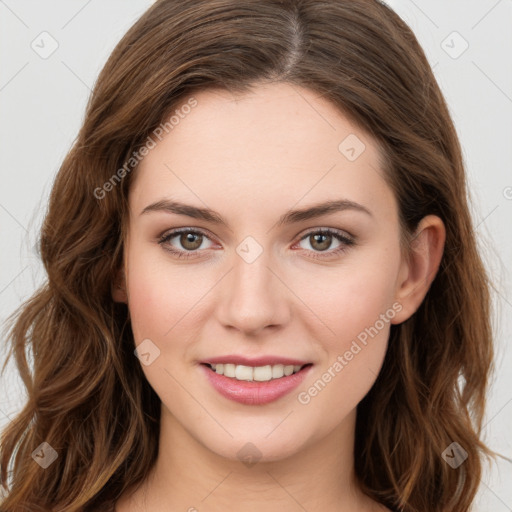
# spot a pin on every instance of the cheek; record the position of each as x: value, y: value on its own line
x: 361, y: 321
x: 351, y: 298
x: 356, y: 303
x: 161, y: 296
x: 359, y: 313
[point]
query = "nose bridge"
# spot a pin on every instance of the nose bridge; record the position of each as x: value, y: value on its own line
x: 252, y: 296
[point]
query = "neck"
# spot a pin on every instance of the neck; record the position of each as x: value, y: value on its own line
x: 188, y: 476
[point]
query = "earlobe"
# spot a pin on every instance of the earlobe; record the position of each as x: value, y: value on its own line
x: 418, y: 272
x: 119, y: 288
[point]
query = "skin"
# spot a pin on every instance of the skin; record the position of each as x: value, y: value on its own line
x: 252, y: 157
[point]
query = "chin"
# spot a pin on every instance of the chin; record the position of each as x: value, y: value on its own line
x: 256, y: 446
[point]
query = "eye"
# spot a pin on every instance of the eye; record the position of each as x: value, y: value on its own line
x: 321, y: 239
x: 189, y: 241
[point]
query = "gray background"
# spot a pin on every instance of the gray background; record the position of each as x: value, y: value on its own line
x: 42, y: 101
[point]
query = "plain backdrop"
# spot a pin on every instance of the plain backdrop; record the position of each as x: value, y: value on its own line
x: 51, y: 53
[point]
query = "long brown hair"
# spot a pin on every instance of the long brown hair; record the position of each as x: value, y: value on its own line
x: 88, y: 398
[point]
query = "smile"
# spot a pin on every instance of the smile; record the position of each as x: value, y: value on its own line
x: 255, y: 373
x: 254, y: 385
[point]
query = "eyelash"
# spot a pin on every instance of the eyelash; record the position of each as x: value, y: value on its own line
x: 346, y: 242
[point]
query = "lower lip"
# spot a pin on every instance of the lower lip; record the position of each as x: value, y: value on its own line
x: 252, y: 392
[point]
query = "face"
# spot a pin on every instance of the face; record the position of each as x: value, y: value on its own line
x: 246, y: 284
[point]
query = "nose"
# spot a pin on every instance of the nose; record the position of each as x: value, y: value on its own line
x: 253, y: 297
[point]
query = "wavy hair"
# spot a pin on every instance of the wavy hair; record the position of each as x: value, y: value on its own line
x: 90, y: 401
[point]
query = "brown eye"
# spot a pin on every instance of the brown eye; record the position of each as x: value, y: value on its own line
x: 320, y: 242
x: 185, y: 243
x: 191, y: 241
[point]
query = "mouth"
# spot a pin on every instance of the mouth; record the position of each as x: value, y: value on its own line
x: 254, y: 385
x: 264, y: 373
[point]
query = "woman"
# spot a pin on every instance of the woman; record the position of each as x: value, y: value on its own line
x: 263, y: 284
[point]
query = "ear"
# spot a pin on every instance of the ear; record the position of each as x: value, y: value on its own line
x: 119, y: 288
x: 419, y: 270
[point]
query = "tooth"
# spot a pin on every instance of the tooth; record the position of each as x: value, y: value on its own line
x: 263, y: 373
x: 277, y: 371
x: 288, y: 370
x: 229, y: 370
x: 243, y: 372
x: 258, y: 373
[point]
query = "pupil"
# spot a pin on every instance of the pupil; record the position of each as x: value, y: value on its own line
x: 324, y: 244
x: 188, y: 238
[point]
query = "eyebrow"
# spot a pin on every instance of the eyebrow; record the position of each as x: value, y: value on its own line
x: 290, y: 217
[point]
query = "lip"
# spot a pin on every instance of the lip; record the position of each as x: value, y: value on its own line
x: 252, y: 392
x: 255, y: 361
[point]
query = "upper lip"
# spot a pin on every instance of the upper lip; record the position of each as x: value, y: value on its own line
x: 255, y: 361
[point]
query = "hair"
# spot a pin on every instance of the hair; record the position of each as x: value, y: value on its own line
x: 87, y: 397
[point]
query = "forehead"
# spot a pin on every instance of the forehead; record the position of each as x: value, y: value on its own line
x: 273, y: 145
